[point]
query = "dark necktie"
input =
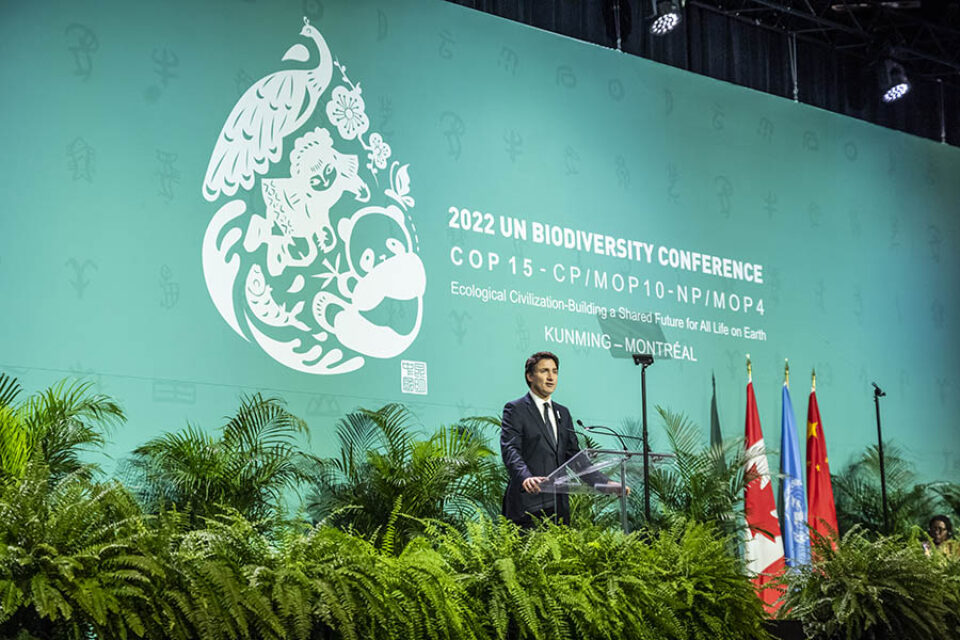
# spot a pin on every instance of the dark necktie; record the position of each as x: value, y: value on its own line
x: 546, y: 419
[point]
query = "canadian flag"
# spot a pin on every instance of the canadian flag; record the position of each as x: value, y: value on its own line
x: 763, y: 548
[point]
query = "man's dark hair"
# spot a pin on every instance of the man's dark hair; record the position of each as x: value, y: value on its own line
x: 534, y: 359
x: 946, y: 522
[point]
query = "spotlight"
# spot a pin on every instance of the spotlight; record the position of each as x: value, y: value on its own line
x: 893, y: 81
x: 666, y: 18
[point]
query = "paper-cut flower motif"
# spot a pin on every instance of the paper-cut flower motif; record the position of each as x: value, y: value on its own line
x: 346, y: 111
x: 379, y: 151
x: 399, y: 190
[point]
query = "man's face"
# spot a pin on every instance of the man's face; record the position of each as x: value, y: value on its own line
x: 938, y: 531
x: 543, y: 380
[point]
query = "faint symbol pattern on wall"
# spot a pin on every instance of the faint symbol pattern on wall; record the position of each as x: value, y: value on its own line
x: 81, y: 160
x: 167, y: 173
x: 673, y: 178
x: 734, y: 359
x: 519, y: 246
x: 934, y: 241
x: 566, y: 77
x: 323, y: 405
x: 891, y: 161
x: 458, y: 321
x: 717, y: 119
x: 724, y: 195
x: 770, y: 202
x: 383, y: 25
x: 508, y: 60
x: 667, y: 102
x: 464, y: 409
x: 814, y: 214
x: 456, y: 236
x: 896, y: 305
x: 615, y: 89
x: 242, y: 80
x: 819, y: 295
x: 858, y: 304
x: 174, y: 392
x: 894, y: 232
x: 938, y: 314
x: 942, y: 386
x: 850, y: 150
x: 78, y: 370
x: 514, y: 144
x: 80, y: 281
x: 453, y: 130
x: 386, y: 115
x: 765, y: 129
x: 774, y: 283
x: 863, y: 376
x: 904, y: 380
x: 165, y: 64
x: 446, y: 45
x: 313, y: 10
x: 824, y: 373
x: 855, y: 228
x: 83, y: 44
x: 811, y: 141
x: 571, y: 161
x: 523, y: 334
x: 169, y: 288
x: 932, y: 172
x: 292, y: 254
x: 413, y: 377
x: 623, y: 173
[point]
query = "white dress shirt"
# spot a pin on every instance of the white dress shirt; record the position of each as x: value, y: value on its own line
x: 552, y: 413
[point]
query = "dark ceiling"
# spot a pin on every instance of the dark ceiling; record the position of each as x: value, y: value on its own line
x: 821, y: 52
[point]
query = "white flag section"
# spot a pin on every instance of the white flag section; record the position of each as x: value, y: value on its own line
x: 763, y: 546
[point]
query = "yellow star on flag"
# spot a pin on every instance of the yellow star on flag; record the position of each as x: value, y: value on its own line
x: 811, y: 429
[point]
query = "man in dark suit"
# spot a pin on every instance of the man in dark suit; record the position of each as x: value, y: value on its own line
x: 536, y: 437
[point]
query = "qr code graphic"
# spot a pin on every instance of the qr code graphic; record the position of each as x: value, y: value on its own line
x: 413, y: 377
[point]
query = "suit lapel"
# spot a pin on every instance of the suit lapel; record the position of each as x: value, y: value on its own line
x: 538, y: 420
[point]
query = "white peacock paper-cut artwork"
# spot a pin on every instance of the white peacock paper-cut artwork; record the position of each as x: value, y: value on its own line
x: 329, y: 264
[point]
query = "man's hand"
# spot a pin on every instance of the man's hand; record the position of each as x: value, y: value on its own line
x: 532, y: 484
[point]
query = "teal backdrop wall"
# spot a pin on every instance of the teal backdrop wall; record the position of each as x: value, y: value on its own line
x: 180, y: 226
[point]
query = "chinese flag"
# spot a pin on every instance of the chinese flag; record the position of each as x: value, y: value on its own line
x: 763, y: 548
x: 822, y: 514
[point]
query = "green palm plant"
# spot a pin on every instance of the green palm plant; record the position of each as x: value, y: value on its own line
x: 249, y: 467
x: 383, y: 469
x: 699, y: 483
x: 858, y: 499
x: 874, y: 587
x: 53, y: 427
x: 949, y: 493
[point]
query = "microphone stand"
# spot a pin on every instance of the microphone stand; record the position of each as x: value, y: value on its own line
x: 645, y: 360
x: 877, y: 394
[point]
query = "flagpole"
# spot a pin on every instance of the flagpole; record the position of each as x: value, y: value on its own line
x: 877, y: 394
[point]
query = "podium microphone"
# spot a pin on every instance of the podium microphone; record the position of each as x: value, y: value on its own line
x: 607, y: 430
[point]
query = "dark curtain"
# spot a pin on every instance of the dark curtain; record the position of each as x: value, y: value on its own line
x: 737, y: 51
